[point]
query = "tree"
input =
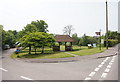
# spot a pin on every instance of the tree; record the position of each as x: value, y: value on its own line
x: 35, y: 26
x: 68, y: 30
x: 8, y: 37
x: 37, y: 39
x: 87, y: 40
x: 76, y: 39
x: 30, y: 28
x: 41, y: 25
x: 112, y: 35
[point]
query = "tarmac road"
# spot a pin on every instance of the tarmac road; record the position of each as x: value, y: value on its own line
x: 105, y: 68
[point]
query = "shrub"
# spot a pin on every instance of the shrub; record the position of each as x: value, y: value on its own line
x: 111, y: 43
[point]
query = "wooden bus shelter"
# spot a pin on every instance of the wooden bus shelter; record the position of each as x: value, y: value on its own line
x: 65, y: 39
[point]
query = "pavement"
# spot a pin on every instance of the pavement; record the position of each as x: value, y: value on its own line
x: 110, y: 52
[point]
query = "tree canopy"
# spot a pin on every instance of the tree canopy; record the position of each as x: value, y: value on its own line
x: 37, y: 39
x: 8, y: 37
x: 84, y: 40
x: 35, y: 26
x: 41, y: 25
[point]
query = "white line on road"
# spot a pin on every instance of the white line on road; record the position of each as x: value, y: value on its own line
x: 114, y: 56
x: 106, y: 59
x: 25, y: 78
x: 104, y: 75
x: 87, y: 78
x: 97, y: 69
x: 109, y: 66
x: 92, y: 73
x: 100, y: 65
x: 107, y: 70
x: 110, y: 63
x: 103, y: 63
x: 4, y: 70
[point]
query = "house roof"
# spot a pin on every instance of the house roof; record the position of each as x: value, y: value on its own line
x: 63, y: 38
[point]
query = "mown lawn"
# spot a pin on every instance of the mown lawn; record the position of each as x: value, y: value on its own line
x: 48, y: 53
x: 81, y: 51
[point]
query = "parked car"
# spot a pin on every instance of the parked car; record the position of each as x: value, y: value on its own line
x: 6, y: 46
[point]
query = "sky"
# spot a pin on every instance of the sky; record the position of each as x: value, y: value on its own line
x: 86, y: 16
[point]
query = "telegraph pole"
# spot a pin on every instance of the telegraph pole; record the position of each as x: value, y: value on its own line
x: 106, y: 25
x: 100, y: 39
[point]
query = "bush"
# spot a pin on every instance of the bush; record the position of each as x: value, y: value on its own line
x: 111, y: 43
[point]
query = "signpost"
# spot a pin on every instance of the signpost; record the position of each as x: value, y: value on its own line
x: 99, y: 34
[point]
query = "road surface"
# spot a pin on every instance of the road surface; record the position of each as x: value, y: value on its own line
x: 89, y: 69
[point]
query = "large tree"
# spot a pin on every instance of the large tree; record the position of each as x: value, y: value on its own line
x: 29, y: 28
x: 37, y: 39
x: 41, y: 25
x: 35, y: 26
x: 76, y: 39
x: 8, y: 37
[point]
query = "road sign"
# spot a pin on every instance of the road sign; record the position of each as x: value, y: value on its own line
x: 98, y: 33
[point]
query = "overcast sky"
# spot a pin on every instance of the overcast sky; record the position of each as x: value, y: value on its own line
x: 86, y: 16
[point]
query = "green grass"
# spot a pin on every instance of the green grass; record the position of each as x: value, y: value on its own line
x: 47, y: 54
x: 81, y: 51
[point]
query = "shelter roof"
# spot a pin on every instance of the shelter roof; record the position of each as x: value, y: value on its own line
x: 63, y: 38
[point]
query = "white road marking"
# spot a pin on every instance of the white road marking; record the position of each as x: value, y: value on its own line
x: 113, y: 59
x: 109, y: 66
x: 92, y: 73
x: 104, y: 75
x: 107, y: 70
x: 96, y: 69
x: 4, y: 70
x: 87, y: 78
x: 104, y: 60
x: 110, y: 63
x: 114, y: 56
x: 25, y: 78
x: 107, y: 58
x: 100, y: 65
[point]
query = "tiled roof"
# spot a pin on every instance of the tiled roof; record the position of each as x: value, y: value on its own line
x: 63, y: 38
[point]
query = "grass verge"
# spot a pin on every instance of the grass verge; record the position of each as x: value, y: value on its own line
x: 81, y: 51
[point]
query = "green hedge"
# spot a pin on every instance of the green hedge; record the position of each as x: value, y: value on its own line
x: 111, y: 43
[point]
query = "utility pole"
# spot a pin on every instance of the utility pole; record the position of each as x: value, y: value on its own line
x: 100, y: 39
x: 106, y: 25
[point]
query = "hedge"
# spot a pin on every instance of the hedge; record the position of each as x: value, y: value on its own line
x: 111, y: 43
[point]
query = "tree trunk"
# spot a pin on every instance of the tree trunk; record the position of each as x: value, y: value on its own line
x: 29, y: 49
x: 42, y: 49
x: 35, y: 50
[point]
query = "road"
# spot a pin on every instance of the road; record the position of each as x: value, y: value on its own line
x: 90, y: 69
